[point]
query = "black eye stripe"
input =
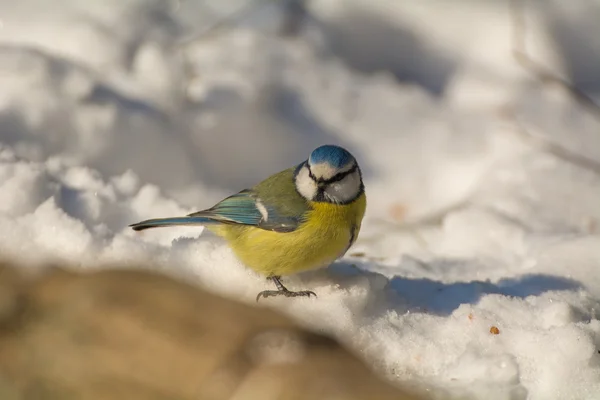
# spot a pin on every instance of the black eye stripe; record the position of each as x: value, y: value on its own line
x: 335, y: 178
x: 314, y: 178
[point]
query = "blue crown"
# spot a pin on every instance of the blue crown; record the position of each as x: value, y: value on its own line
x: 335, y: 156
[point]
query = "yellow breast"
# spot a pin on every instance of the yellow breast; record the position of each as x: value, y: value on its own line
x: 327, y: 233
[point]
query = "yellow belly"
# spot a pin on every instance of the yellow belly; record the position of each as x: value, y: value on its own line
x: 324, y: 237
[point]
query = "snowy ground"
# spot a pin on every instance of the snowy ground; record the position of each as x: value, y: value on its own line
x: 477, y: 270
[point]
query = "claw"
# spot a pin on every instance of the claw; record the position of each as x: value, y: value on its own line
x: 267, y: 293
x: 283, y: 291
x: 306, y: 293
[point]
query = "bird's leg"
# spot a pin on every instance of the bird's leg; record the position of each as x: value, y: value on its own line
x: 282, y: 290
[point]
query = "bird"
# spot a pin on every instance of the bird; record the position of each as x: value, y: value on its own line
x: 302, y: 218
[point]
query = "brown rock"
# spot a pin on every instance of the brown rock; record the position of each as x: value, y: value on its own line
x: 137, y: 335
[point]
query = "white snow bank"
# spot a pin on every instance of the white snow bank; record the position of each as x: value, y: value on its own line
x: 489, y: 290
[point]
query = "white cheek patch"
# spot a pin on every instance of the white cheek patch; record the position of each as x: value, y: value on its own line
x: 305, y: 185
x: 345, y: 190
x: 323, y: 171
x: 262, y: 209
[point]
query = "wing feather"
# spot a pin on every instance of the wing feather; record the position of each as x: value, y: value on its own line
x: 246, y: 208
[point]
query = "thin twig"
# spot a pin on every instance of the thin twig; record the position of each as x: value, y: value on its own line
x: 228, y: 20
x: 544, y: 74
x: 557, y: 150
x: 225, y: 22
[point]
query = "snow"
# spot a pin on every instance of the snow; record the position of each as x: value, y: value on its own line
x: 476, y: 272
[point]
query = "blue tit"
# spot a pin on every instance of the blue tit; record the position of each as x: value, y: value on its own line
x: 299, y: 219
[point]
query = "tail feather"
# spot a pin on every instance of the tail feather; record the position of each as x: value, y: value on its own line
x: 164, y: 222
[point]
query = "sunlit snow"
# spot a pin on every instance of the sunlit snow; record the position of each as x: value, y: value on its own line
x: 476, y: 273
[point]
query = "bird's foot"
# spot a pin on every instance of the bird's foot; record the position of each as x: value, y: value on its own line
x: 286, y: 293
x: 283, y: 291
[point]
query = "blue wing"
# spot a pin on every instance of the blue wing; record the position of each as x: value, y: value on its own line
x: 243, y: 208
x: 246, y: 208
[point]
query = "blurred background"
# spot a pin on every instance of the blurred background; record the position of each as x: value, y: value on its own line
x: 475, y: 123
x: 205, y: 97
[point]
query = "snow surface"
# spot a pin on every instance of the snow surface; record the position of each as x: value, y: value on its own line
x: 476, y: 272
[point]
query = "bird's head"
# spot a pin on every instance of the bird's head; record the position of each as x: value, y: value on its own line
x: 331, y: 174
